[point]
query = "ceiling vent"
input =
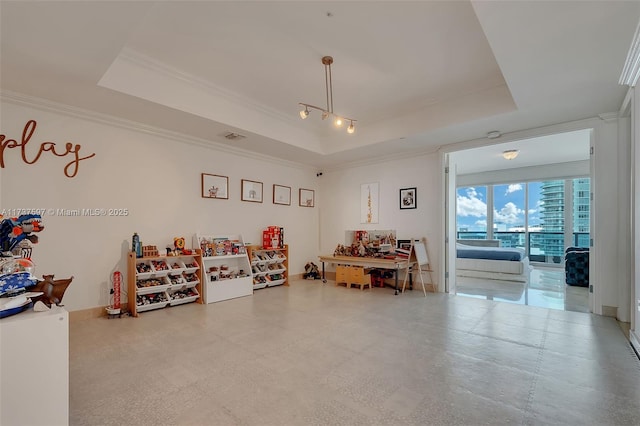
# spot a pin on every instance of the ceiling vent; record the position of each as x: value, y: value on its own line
x: 233, y: 136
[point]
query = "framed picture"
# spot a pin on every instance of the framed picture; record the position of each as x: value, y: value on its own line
x: 307, y: 197
x: 369, y: 201
x: 215, y: 186
x: 408, y: 198
x: 282, y: 195
x: 251, y: 191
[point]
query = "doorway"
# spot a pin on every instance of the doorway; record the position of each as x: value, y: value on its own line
x: 537, y: 202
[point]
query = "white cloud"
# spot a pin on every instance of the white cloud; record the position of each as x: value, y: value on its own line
x: 532, y: 211
x: 508, y: 214
x: 481, y: 223
x: 513, y: 188
x: 471, y: 205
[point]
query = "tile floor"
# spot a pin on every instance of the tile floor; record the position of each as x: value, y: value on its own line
x: 546, y: 289
x: 314, y: 354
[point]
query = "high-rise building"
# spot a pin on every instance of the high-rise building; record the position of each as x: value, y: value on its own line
x: 551, y: 240
x: 581, y: 205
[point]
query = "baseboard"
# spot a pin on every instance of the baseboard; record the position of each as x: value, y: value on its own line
x: 634, y: 338
x: 85, y: 314
x: 610, y: 311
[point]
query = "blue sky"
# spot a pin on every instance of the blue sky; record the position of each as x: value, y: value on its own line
x: 508, y: 209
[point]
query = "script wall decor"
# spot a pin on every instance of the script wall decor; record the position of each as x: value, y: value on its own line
x: 70, y: 170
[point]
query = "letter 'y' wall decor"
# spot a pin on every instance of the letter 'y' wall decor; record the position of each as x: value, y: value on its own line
x: 70, y: 170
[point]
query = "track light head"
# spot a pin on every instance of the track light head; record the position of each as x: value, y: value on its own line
x: 304, y: 113
x: 338, y: 122
x: 351, y: 128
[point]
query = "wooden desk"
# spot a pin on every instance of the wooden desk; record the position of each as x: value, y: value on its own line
x: 368, y: 262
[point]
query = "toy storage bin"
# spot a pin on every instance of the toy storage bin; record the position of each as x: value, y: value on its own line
x: 188, y: 295
x: 190, y: 265
x: 152, y: 285
x: 176, y: 266
x: 161, y: 297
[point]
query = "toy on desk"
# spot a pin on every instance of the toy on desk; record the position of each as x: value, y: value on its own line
x: 356, y: 250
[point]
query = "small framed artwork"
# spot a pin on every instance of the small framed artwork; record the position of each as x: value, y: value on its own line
x: 251, y: 191
x: 282, y: 195
x: 215, y: 186
x: 408, y: 198
x: 307, y: 197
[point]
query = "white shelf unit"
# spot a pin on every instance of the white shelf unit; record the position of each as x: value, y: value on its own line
x: 34, y: 361
x: 161, y: 281
x: 225, y: 267
x: 269, y: 266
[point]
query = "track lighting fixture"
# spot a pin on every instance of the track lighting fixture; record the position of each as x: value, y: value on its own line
x: 328, y: 111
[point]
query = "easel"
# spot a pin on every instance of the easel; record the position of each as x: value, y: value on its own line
x: 419, y: 258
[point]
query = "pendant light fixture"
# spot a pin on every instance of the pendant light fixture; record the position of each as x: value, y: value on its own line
x: 338, y: 120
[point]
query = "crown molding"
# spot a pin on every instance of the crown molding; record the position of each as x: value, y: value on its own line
x: 631, y: 69
x: 383, y: 159
x: 608, y: 116
x: 155, y: 66
x: 109, y: 120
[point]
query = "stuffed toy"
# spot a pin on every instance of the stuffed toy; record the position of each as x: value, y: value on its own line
x: 311, y: 271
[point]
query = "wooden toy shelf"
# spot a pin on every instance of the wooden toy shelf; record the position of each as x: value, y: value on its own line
x: 269, y: 266
x: 160, y: 281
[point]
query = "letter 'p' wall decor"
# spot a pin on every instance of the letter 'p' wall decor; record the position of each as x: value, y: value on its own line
x: 70, y: 170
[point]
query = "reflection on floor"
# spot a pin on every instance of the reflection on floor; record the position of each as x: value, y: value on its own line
x: 546, y: 289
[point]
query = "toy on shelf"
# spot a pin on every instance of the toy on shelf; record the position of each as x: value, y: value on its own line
x: 16, y: 275
x: 178, y: 248
x: 136, y: 245
x: 149, y: 251
x: 52, y: 290
x: 16, y: 234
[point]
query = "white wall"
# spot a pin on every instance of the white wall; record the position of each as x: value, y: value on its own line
x: 340, y: 203
x: 607, y: 232
x: 157, y: 179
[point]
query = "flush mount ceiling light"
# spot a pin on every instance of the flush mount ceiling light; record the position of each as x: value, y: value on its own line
x: 510, y: 154
x: 338, y: 120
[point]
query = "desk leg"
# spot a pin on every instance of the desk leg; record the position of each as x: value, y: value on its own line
x: 324, y: 280
x: 396, y: 274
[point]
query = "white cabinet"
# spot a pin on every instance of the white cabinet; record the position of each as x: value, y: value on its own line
x: 161, y: 281
x: 269, y: 266
x: 34, y: 360
x: 225, y: 267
